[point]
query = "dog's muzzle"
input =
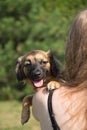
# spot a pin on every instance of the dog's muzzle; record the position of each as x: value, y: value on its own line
x: 36, y: 74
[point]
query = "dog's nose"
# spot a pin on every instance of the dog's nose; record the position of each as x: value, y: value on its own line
x: 37, y: 73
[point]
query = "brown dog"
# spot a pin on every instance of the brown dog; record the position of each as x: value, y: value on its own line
x: 38, y: 68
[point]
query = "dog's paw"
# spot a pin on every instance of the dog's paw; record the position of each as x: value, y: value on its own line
x: 53, y: 85
x: 25, y: 115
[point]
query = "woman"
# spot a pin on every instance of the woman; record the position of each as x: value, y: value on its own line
x: 69, y: 102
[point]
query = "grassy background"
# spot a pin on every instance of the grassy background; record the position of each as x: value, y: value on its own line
x: 10, y: 117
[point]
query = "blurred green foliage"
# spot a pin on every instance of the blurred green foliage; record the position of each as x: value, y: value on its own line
x: 27, y: 25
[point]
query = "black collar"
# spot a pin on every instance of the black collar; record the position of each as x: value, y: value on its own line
x: 51, y: 114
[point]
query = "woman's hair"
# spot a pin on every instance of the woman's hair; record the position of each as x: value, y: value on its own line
x: 76, y: 51
x: 76, y: 66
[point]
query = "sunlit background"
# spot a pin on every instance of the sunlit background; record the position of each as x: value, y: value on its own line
x: 27, y: 25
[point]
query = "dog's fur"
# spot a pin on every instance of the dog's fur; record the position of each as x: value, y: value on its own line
x: 38, y: 68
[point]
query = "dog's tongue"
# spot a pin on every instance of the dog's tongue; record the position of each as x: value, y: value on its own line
x: 38, y: 83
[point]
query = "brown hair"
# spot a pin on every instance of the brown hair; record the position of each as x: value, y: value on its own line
x: 76, y: 66
x: 76, y: 51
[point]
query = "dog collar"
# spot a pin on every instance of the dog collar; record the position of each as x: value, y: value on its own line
x: 50, y: 110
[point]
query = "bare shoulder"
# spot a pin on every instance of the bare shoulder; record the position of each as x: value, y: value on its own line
x: 67, y: 107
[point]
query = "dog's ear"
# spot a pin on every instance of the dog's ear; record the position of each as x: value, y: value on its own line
x: 18, y: 69
x: 55, y: 65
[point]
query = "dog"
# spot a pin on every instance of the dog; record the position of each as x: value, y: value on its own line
x: 37, y: 68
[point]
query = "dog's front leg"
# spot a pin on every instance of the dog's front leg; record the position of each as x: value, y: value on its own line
x: 25, y: 114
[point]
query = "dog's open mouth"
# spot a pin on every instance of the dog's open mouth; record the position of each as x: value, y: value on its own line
x: 38, y: 83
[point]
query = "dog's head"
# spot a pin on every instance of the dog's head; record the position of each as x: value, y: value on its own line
x: 37, y: 66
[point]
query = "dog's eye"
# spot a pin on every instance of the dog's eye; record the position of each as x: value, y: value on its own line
x: 28, y: 62
x: 44, y: 62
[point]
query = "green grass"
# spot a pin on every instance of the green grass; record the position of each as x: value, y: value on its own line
x: 10, y: 112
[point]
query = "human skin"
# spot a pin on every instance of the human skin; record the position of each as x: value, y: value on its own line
x: 68, y: 107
